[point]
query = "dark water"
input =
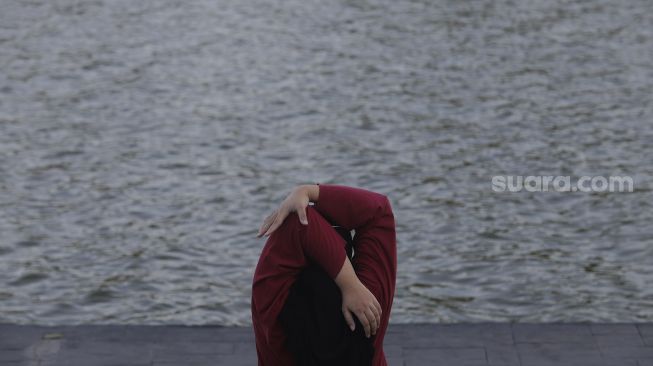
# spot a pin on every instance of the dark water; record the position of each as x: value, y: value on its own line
x: 142, y: 142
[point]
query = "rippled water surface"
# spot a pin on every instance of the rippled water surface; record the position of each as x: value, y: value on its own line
x: 142, y: 142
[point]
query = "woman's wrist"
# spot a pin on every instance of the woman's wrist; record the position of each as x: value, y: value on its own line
x: 312, y: 191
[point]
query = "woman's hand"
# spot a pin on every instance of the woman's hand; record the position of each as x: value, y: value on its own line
x: 296, y: 201
x: 358, y: 300
x: 362, y: 303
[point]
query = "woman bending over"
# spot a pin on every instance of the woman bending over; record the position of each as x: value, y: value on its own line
x: 314, y: 302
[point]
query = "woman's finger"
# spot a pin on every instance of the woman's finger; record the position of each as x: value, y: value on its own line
x: 366, y: 323
x: 278, y: 220
x: 266, y: 223
x: 272, y: 227
x: 261, y: 230
x: 268, y: 219
x: 378, y: 309
x: 301, y: 212
x: 349, y: 319
x: 374, y: 324
x: 377, y: 316
x: 378, y: 306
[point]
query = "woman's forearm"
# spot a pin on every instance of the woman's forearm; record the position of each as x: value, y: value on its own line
x: 347, y: 278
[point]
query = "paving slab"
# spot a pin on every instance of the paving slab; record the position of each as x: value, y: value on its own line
x: 459, y: 344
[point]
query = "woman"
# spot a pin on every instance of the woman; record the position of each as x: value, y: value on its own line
x: 300, y: 237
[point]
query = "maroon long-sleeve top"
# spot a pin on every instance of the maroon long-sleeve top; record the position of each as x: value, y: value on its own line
x: 289, y: 248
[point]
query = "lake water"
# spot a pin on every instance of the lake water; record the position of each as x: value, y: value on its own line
x: 142, y: 143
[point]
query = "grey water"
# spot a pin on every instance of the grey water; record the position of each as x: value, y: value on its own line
x: 142, y: 143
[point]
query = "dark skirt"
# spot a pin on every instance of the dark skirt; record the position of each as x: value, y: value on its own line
x: 317, y: 333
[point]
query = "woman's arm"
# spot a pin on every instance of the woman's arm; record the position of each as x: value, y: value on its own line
x: 354, y: 208
x: 349, y: 207
x: 370, y: 214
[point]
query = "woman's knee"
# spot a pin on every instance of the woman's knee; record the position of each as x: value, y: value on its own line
x: 291, y: 222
